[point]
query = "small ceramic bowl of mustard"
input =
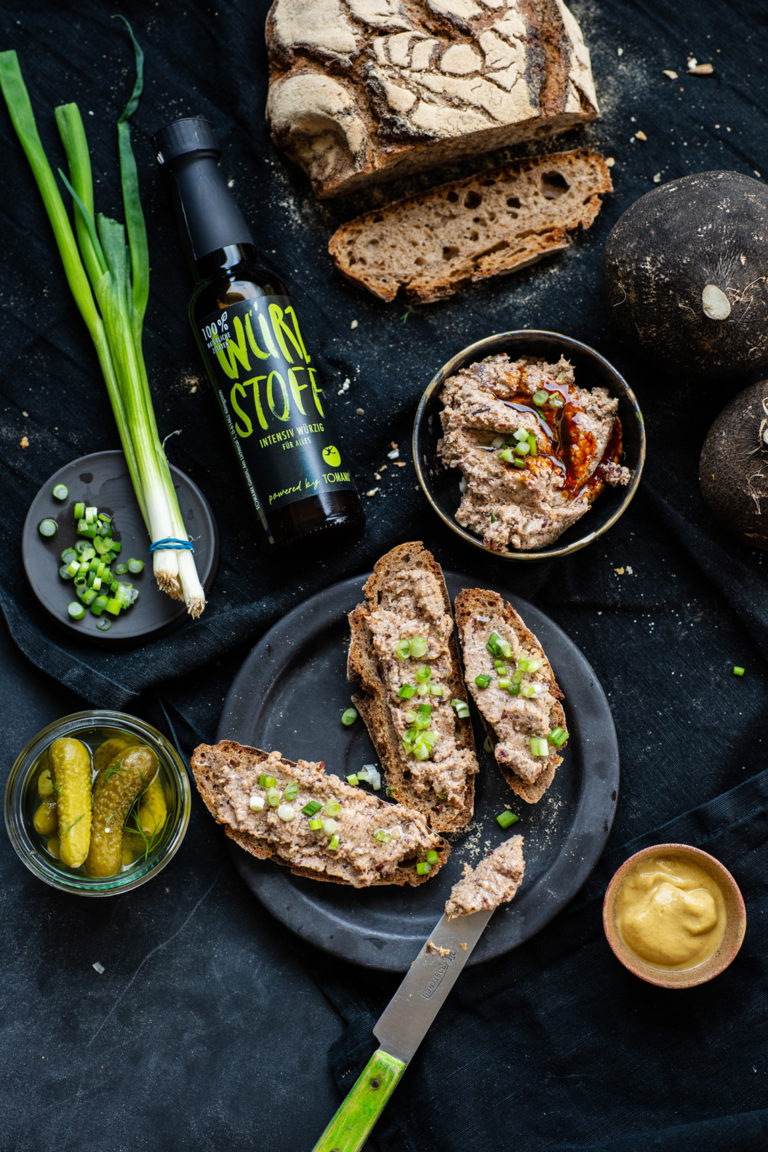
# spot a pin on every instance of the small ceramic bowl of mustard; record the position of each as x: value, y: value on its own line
x: 674, y: 916
x: 444, y: 487
x: 97, y: 803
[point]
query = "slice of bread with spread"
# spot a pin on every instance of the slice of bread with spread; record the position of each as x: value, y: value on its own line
x: 318, y: 825
x: 404, y: 657
x: 433, y: 244
x: 515, y: 690
x: 367, y: 90
x: 494, y: 881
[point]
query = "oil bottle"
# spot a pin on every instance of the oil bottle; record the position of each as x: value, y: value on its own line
x: 249, y: 337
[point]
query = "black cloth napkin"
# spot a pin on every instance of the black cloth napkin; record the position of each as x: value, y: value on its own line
x: 554, y: 1046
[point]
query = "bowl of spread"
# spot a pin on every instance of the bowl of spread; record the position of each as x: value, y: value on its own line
x: 528, y: 444
x: 97, y: 803
x: 674, y: 916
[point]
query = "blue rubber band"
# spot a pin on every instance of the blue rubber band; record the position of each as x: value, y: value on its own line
x: 169, y: 542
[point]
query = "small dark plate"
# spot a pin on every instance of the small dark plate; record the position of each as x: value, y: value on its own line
x: 289, y: 696
x: 441, y: 485
x: 102, y: 480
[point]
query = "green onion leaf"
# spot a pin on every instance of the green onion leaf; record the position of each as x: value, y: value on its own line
x: 738, y: 670
x: 506, y: 818
x: 540, y: 398
x: 311, y: 807
x: 403, y: 649
x: 418, y: 647
x: 483, y: 680
x: 423, y: 868
x: 382, y: 835
x: 332, y: 808
x: 348, y: 716
x: 539, y: 746
x: 461, y: 708
x: 406, y: 691
x: 47, y: 527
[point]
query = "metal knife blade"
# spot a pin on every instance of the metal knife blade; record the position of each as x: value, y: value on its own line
x: 401, y: 1028
x: 405, y: 1021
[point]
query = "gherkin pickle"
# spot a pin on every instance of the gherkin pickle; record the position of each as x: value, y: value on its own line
x: 46, y: 819
x: 70, y: 763
x: 45, y: 784
x: 115, y: 789
x: 153, y: 811
x: 108, y: 750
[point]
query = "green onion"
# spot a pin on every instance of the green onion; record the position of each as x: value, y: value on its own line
x: 506, y: 649
x: 79, y: 511
x: 425, y: 709
x: 348, y: 716
x: 47, y: 527
x: 353, y: 779
x: 291, y: 791
x: 492, y: 644
x: 406, y: 691
x: 539, y: 746
x: 332, y: 808
x: 403, y: 649
x: 738, y: 670
x: 432, y: 856
x: 382, y: 835
x: 506, y: 818
x: 75, y: 610
x: 267, y: 781
x: 311, y: 807
x: 540, y: 398
x: 423, y: 673
x: 461, y: 708
x: 104, y: 624
x: 504, y: 683
x: 107, y: 268
x: 256, y: 802
x: 286, y: 813
x: 135, y: 566
x: 418, y: 647
x: 329, y: 826
x: 523, y: 449
x: 533, y: 447
x: 316, y: 825
x: 436, y: 690
x: 506, y: 455
x: 423, y: 868
x: 273, y: 797
x: 483, y: 680
x: 520, y: 435
x: 556, y: 400
x: 333, y: 844
x: 59, y: 491
x: 558, y: 737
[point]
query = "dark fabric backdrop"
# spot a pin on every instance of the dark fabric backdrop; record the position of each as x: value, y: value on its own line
x: 212, y: 1026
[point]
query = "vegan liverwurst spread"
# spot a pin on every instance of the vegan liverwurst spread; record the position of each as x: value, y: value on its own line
x: 534, y: 449
x: 494, y: 881
x: 411, y: 636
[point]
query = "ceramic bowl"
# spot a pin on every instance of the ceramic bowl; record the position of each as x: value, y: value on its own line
x: 145, y: 853
x: 735, y: 919
x: 441, y: 485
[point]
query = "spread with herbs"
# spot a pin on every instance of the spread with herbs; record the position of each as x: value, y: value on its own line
x: 534, y: 449
x: 494, y: 881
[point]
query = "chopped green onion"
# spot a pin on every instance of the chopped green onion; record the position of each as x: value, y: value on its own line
x: 530, y: 691
x: 556, y: 400
x: 423, y: 868
x: 333, y: 844
x: 539, y: 746
x: 558, y: 737
x: 332, y: 808
x: 506, y: 649
x: 120, y: 569
x: 348, y: 716
x: 353, y: 779
x: 273, y: 797
x: 492, y: 644
x: 461, y: 708
x: 436, y: 690
x: 418, y: 647
x: 291, y: 791
x: 425, y: 709
x: 75, y: 610
x: 68, y: 555
x: 523, y: 448
x: 406, y: 691
x: 382, y: 835
x: 432, y: 856
x: 60, y: 492
x: 506, y: 818
x: 504, y: 683
x: 423, y: 673
x: 520, y: 435
x: 540, y: 398
x: 533, y: 447
x: 47, y: 527
x: 316, y: 825
x: 403, y: 649
x: 135, y: 566
x: 104, y: 623
x: 329, y: 826
x: 311, y: 807
x: 483, y: 680
x: 256, y: 802
x: 738, y: 670
x: 267, y: 781
x: 506, y: 455
x: 286, y: 813
x: 79, y: 511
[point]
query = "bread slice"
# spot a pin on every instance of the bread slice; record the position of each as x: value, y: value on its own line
x: 377, y: 843
x: 435, y: 243
x: 406, y: 597
x: 367, y: 90
x: 511, y: 721
x: 494, y: 881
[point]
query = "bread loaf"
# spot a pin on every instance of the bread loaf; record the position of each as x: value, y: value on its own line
x: 365, y: 90
x: 433, y: 244
x: 407, y: 691
x: 518, y: 697
x: 367, y: 842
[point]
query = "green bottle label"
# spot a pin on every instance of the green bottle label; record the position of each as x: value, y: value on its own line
x: 272, y: 402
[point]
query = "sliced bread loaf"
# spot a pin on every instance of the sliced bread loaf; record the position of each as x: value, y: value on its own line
x: 361, y: 91
x: 494, y: 881
x: 433, y: 244
x: 318, y: 825
x: 404, y: 656
x: 518, y: 697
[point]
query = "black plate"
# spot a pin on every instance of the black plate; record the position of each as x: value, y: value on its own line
x: 102, y: 479
x: 289, y: 695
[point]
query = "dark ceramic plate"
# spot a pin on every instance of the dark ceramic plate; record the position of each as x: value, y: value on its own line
x: 441, y: 485
x: 102, y: 479
x: 289, y: 695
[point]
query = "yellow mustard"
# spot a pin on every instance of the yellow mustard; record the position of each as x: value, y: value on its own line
x: 670, y: 912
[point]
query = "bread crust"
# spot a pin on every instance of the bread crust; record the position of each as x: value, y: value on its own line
x: 373, y: 696
x: 489, y: 224
x: 223, y: 769
x: 472, y: 603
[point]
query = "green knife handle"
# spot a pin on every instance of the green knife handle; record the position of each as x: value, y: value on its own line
x: 360, y: 1109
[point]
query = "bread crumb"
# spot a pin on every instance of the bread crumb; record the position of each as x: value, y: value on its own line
x: 657, y: 177
x: 640, y: 135
x: 670, y: 72
x: 353, y: 325
x: 98, y: 967
x: 463, y: 945
x: 619, y: 51
x: 344, y: 386
x: 437, y: 950
x: 696, y: 69
x: 25, y: 415
x: 376, y: 476
x: 359, y: 411
x: 393, y: 455
x: 400, y: 463
x: 373, y: 491
x: 619, y: 571
x: 24, y: 442
x: 610, y: 161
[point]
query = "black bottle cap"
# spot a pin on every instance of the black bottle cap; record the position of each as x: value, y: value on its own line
x: 190, y: 134
x: 212, y: 219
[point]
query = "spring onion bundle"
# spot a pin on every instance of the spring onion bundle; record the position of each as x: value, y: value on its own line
x: 107, y: 267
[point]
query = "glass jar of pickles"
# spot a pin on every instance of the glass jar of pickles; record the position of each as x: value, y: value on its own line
x: 97, y: 803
